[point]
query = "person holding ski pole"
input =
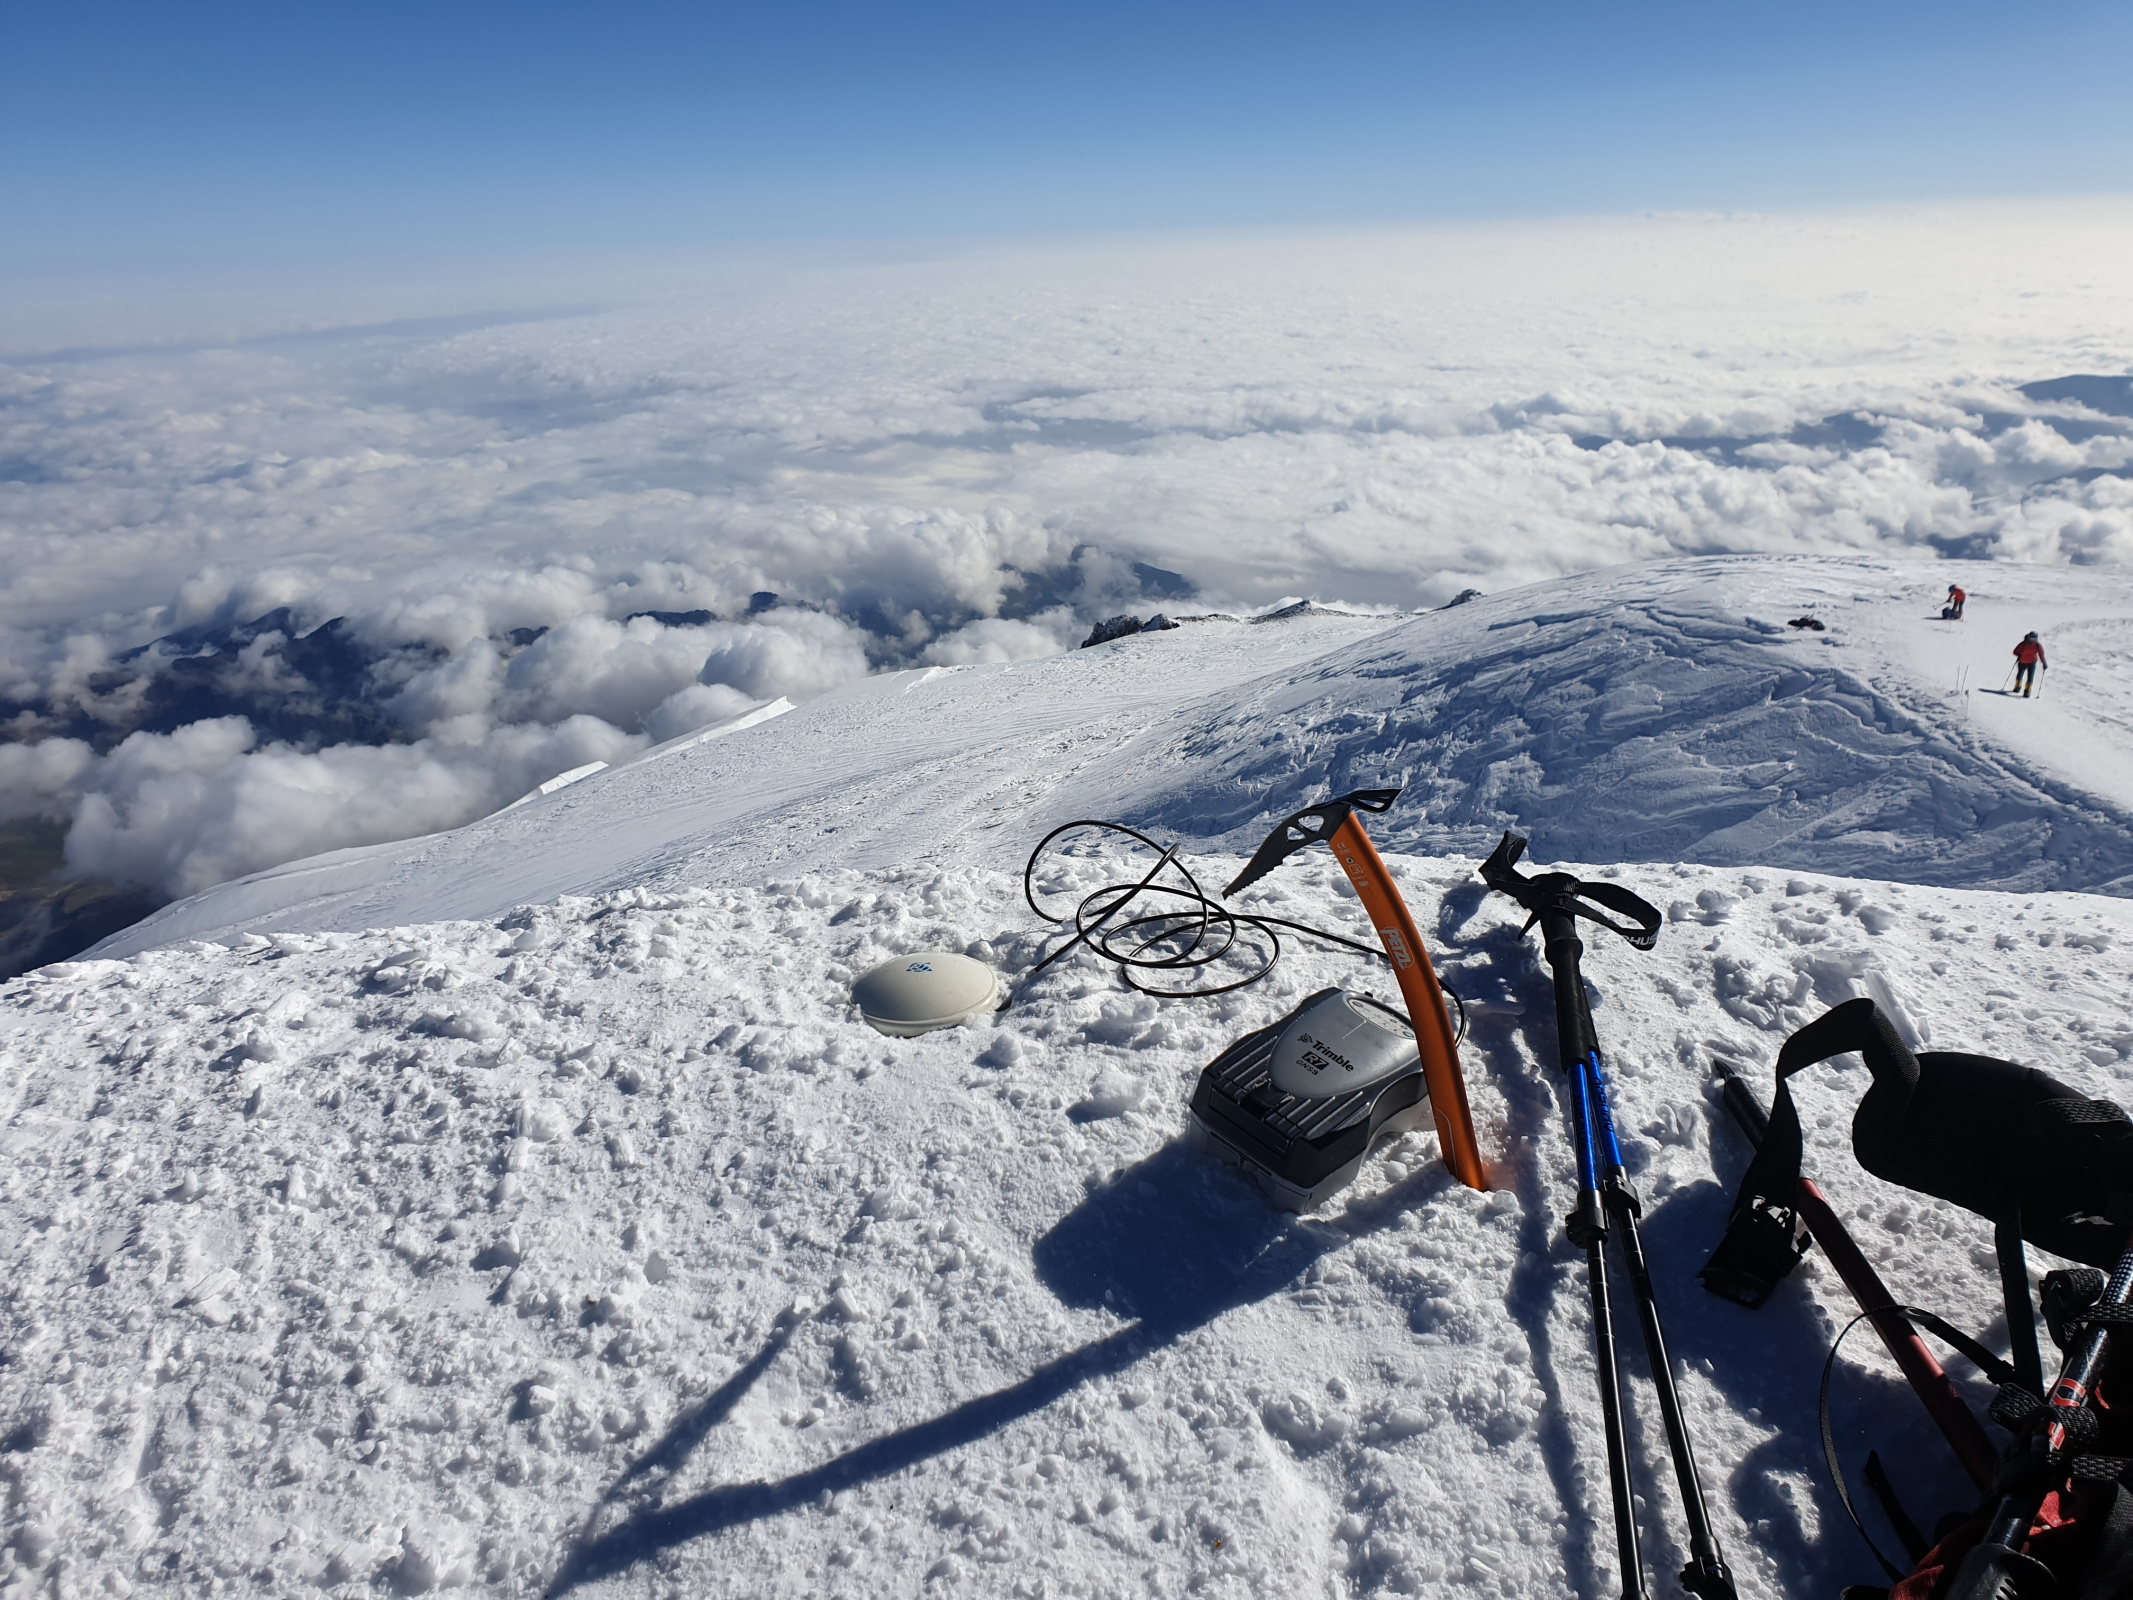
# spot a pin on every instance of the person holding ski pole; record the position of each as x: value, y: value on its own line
x: 1953, y: 610
x: 2029, y: 655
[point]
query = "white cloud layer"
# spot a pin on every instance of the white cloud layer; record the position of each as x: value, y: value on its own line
x: 190, y: 809
x: 962, y: 460
x: 797, y: 653
x: 1001, y: 639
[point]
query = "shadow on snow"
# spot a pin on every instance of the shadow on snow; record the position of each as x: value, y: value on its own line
x: 1172, y: 1242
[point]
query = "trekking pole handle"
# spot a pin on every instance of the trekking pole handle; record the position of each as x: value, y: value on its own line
x: 1560, y: 892
x: 1573, y: 1010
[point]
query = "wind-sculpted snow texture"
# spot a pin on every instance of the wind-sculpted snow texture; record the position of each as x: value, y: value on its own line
x: 599, y: 1249
x: 1663, y: 713
x: 1655, y: 712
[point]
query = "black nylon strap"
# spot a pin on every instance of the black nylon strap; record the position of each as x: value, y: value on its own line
x: 2014, y: 1405
x: 1984, y: 1360
x: 2099, y: 1467
x: 1641, y: 912
x: 2017, y: 1410
x: 1747, y: 1265
x: 1993, y: 1367
x: 2014, y: 1294
x: 1915, y: 1544
x: 1773, y: 1177
x: 1991, y: 1136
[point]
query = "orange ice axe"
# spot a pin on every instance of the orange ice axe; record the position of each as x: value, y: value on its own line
x: 1335, y: 823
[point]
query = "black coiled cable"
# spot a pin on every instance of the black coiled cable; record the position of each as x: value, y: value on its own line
x: 1180, y: 939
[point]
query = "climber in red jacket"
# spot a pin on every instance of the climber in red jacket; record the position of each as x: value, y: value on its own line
x: 2029, y: 655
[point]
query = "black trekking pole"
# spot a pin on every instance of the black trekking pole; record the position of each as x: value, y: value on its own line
x: 1995, y: 1568
x: 1607, y: 1203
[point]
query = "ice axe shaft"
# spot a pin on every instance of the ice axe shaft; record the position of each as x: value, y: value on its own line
x: 1335, y: 823
x: 1388, y: 913
x: 1921, y: 1369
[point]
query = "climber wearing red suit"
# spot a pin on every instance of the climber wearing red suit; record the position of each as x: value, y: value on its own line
x: 2029, y: 655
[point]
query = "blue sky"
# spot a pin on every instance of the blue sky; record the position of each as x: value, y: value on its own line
x: 133, y: 131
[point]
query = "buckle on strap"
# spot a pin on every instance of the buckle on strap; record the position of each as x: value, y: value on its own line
x: 1763, y: 1243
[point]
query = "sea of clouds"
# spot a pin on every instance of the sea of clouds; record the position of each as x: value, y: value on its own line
x: 290, y: 575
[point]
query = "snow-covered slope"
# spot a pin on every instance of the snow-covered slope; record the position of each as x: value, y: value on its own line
x: 936, y: 764
x: 525, y: 1207
x: 1665, y: 712
x: 1656, y: 712
x: 606, y: 1244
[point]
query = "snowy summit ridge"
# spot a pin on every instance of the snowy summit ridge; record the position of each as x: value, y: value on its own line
x: 524, y: 1207
x: 1653, y: 712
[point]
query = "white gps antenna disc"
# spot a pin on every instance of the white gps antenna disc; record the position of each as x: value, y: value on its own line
x: 927, y: 989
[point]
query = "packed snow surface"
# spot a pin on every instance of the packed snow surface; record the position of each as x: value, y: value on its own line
x: 526, y: 1207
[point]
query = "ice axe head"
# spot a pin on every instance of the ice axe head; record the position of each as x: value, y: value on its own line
x: 1312, y: 825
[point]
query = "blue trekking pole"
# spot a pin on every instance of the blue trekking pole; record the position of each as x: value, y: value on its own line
x: 1607, y: 1204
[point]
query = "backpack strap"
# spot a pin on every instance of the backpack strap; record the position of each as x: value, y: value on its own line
x: 1915, y: 1544
x: 2014, y: 1294
x: 2009, y: 1143
x: 1855, y: 1025
x: 1764, y: 1235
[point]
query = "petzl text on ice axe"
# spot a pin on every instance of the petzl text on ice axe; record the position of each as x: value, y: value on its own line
x: 1335, y: 823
